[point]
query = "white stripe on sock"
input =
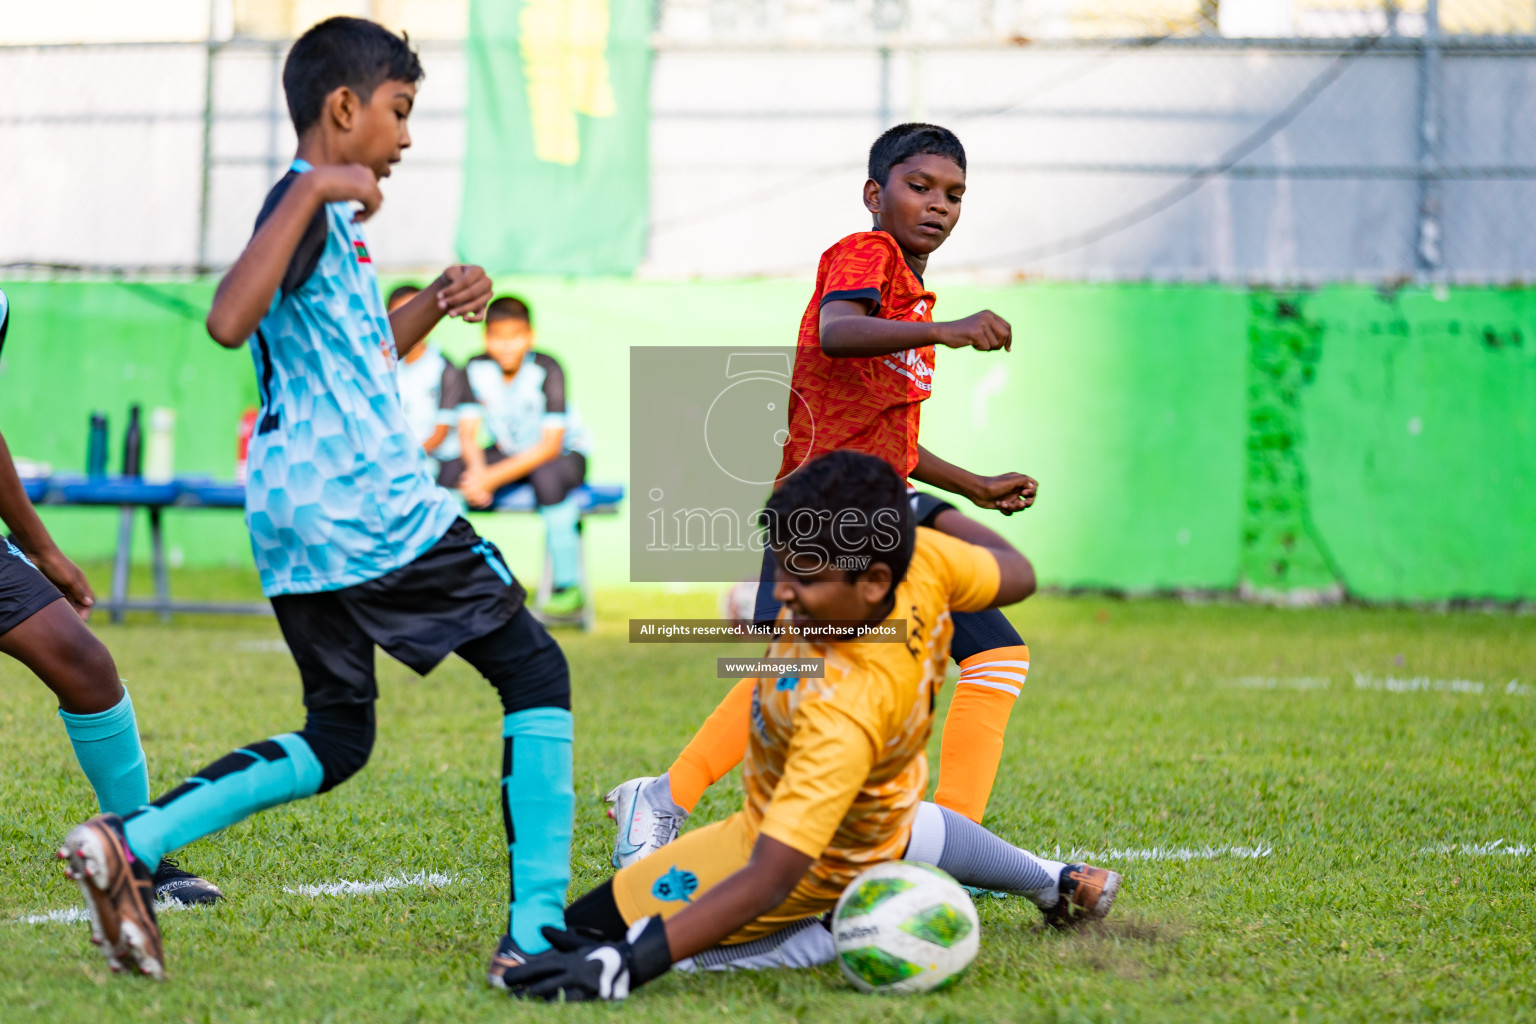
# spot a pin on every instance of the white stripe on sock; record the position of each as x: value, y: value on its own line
x: 989, y: 685
x: 966, y: 677
x: 997, y: 664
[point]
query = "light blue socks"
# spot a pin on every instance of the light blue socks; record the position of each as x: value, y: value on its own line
x: 108, y: 749
x: 233, y: 788
x: 560, y: 523
x: 538, y: 799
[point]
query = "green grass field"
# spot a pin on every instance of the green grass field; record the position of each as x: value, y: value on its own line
x: 1348, y: 748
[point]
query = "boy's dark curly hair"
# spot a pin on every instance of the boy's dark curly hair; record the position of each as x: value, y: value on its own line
x: 841, y: 505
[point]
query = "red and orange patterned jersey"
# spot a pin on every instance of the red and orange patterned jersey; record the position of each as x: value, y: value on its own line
x: 865, y: 404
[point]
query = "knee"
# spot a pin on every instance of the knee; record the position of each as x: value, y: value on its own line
x: 540, y: 681
x: 524, y: 663
x: 95, y: 661
x: 547, y: 489
x: 342, y: 738
x: 81, y: 673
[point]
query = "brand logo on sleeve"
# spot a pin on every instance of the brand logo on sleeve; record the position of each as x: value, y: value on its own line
x: 362, y: 252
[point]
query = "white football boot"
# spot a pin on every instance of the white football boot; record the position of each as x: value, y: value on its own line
x: 646, y: 816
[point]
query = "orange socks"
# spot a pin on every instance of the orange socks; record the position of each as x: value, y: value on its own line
x: 716, y: 748
x: 973, y: 732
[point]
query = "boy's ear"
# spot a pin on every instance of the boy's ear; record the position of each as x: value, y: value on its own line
x: 874, y: 583
x: 342, y: 106
x: 872, y: 192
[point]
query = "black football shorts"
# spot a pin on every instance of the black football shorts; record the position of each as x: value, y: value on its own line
x: 459, y: 590
x: 23, y: 590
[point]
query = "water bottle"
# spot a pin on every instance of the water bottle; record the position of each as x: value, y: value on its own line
x: 160, y: 450
x: 133, y: 443
x: 96, y: 447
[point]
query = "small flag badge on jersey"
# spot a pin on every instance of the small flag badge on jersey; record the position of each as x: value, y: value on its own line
x: 362, y: 252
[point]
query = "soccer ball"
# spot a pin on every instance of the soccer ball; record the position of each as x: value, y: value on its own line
x: 905, y: 927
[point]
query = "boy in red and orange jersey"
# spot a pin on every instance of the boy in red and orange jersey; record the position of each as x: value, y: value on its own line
x: 864, y: 363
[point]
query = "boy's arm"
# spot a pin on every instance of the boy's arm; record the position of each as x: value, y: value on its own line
x: 488, y: 479
x: 453, y: 395
x: 461, y: 290
x: 469, y: 442
x: 1006, y: 492
x: 32, y: 537
x: 1016, y: 576
x: 245, y: 294
x: 578, y: 970
x: 438, y: 436
x: 848, y: 330
x: 767, y: 880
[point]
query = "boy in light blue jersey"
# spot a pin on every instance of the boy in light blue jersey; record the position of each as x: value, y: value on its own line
x: 537, y: 437
x: 356, y: 545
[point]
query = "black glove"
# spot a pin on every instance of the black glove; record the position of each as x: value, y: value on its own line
x: 582, y: 970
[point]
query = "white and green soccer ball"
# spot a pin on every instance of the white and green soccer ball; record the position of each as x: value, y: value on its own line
x: 905, y: 927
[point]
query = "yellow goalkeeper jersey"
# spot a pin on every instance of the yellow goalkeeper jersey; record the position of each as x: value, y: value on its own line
x: 835, y: 767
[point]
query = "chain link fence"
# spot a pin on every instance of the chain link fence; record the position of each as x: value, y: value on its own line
x: 1360, y: 140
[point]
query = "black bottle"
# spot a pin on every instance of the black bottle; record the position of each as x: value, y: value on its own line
x: 133, y: 443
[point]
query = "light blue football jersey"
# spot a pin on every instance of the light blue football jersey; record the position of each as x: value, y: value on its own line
x: 337, y: 491
x: 516, y: 412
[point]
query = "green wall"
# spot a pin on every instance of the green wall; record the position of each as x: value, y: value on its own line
x: 1382, y: 445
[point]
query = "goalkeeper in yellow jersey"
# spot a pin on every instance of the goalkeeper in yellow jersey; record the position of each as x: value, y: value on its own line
x: 835, y: 768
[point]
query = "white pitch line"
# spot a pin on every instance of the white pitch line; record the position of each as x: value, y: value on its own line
x: 1497, y: 848
x: 1280, y: 683
x: 1424, y: 684
x: 346, y: 887
x: 1180, y: 853
x: 1389, y: 684
x: 262, y: 646
x: 74, y: 915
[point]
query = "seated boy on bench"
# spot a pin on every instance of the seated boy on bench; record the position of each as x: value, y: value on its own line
x: 536, y: 437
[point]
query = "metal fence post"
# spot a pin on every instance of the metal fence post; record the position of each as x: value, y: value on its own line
x: 275, y: 109
x: 1429, y: 257
x: 205, y: 179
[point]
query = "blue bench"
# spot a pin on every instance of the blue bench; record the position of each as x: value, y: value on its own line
x: 131, y: 493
